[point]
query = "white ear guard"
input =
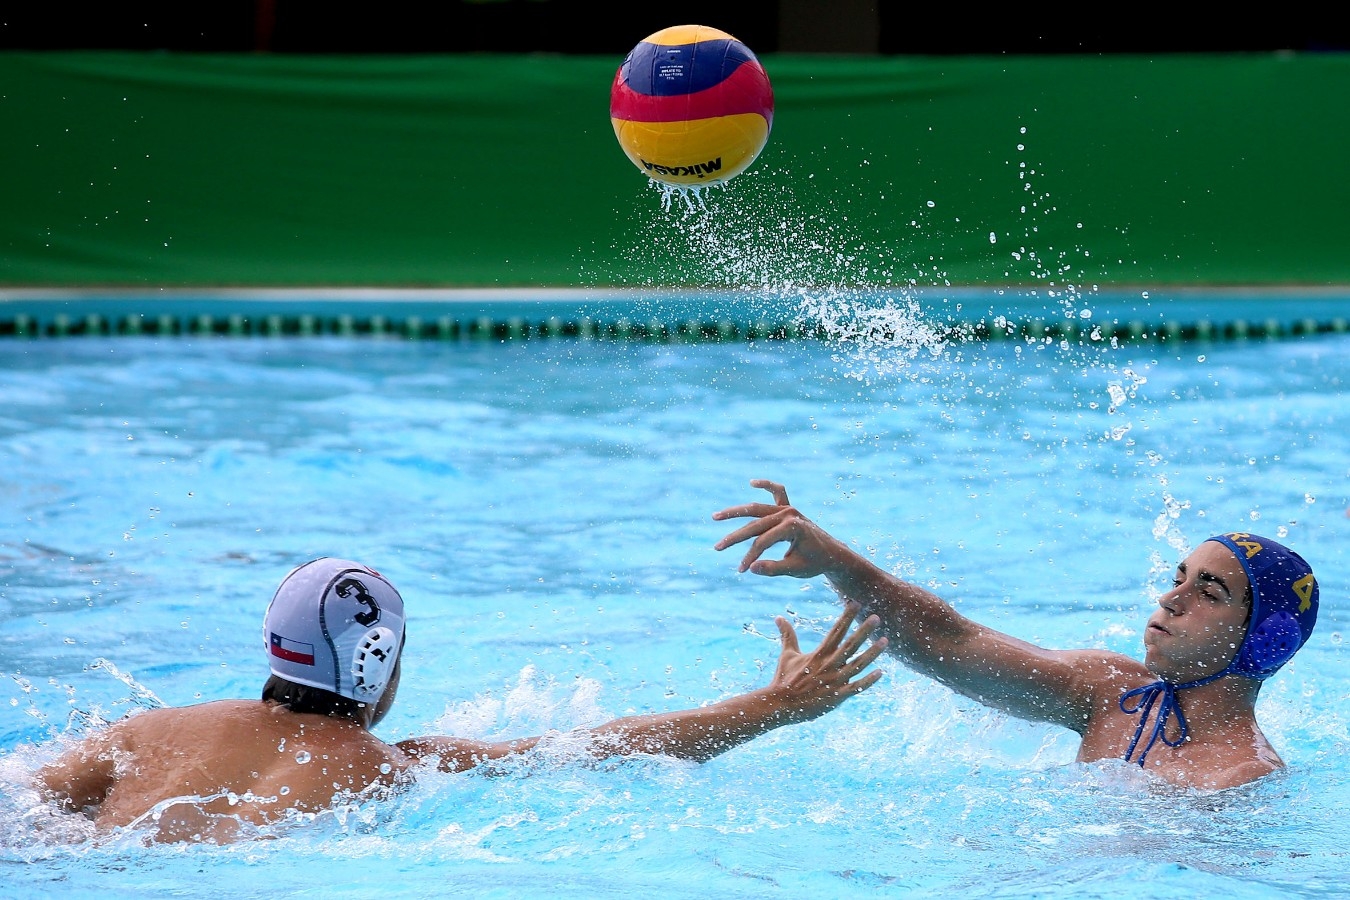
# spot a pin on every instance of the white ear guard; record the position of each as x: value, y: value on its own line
x: 373, y: 663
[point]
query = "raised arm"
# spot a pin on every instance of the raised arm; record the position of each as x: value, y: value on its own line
x: 924, y: 631
x: 804, y: 686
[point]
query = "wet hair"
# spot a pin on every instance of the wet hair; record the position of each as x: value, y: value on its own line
x: 302, y: 698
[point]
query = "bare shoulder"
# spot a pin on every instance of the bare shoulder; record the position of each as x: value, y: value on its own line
x: 1110, y: 669
x: 1087, y: 673
x: 83, y: 774
x: 120, y: 736
x: 1103, y: 675
x: 1243, y: 773
x: 157, y: 725
x: 212, y: 709
x: 1235, y: 761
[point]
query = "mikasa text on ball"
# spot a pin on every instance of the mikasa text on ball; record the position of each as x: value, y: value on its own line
x: 691, y: 105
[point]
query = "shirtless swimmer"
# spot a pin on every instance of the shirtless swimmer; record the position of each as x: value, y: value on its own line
x: 1240, y: 606
x: 334, y: 636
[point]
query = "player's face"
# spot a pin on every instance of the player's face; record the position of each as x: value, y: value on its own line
x: 1200, y: 622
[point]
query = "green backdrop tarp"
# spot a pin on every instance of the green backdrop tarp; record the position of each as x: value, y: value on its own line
x: 129, y: 169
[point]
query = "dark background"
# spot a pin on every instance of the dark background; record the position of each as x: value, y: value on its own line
x: 572, y: 26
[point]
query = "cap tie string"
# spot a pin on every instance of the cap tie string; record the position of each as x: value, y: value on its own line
x: 1145, y: 697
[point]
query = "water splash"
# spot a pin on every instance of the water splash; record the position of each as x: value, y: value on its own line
x: 141, y: 696
x: 689, y: 197
x: 1165, y: 525
x: 1123, y: 390
x: 781, y: 257
x: 533, y: 705
x: 883, y: 336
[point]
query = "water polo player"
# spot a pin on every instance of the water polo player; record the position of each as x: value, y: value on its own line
x: 334, y: 635
x: 1241, y: 605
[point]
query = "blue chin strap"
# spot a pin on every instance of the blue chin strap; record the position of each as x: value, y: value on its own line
x: 1144, y: 698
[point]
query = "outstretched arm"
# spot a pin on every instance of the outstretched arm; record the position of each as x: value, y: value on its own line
x: 804, y: 686
x: 924, y: 631
x: 453, y: 754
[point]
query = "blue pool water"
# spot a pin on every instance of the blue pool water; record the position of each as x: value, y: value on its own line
x: 544, y: 507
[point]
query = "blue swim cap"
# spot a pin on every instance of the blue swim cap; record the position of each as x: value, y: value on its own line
x: 1284, y: 604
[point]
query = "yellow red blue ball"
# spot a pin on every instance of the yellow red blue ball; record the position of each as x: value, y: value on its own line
x: 691, y: 105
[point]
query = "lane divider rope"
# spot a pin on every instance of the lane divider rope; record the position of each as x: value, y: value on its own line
x: 519, y: 328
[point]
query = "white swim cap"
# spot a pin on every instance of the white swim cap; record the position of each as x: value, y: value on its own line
x: 337, y: 625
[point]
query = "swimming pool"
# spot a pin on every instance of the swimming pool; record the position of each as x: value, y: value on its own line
x: 544, y: 507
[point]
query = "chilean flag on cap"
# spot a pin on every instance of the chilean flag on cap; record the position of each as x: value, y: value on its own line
x: 294, y: 651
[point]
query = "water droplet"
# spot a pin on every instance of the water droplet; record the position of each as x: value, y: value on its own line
x: 1309, y: 499
x: 302, y: 757
x: 385, y: 768
x: 285, y: 789
x: 993, y: 238
x: 1200, y: 358
x: 931, y: 204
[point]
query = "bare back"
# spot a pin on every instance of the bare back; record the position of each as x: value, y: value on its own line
x: 227, y: 763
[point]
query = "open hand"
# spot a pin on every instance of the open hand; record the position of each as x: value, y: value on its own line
x: 810, y: 550
x: 807, y: 685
